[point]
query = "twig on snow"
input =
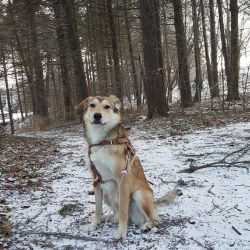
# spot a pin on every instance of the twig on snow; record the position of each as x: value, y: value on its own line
x: 236, y: 230
x: 209, y: 190
x: 223, y: 163
x: 62, y: 235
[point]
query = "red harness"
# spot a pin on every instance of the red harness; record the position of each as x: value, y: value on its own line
x: 130, y: 152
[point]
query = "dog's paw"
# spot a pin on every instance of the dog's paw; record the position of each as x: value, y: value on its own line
x: 116, y: 219
x: 146, y: 227
x: 92, y: 227
x: 120, y: 234
x: 107, y: 218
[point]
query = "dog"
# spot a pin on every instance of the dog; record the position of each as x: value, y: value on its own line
x: 119, y: 178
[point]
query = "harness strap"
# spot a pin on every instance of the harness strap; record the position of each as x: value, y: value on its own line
x: 130, y: 153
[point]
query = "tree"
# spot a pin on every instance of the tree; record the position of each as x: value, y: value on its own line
x: 63, y: 59
x: 198, y: 78
x: 74, y: 44
x: 3, y: 53
x: 208, y: 64
x: 223, y: 42
x: 181, y: 44
x: 1, y: 109
x: 115, y: 54
x: 214, y: 61
x: 233, y: 85
x: 132, y: 61
x: 153, y: 63
x: 41, y: 100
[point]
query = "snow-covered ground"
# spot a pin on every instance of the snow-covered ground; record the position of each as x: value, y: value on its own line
x: 214, y: 200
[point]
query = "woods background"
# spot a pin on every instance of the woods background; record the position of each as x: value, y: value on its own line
x: 153, y: 53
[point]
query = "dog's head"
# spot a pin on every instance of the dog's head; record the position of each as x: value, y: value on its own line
x: 100, y: 111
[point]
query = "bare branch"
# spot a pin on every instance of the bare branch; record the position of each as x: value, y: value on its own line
x: 223, y: 163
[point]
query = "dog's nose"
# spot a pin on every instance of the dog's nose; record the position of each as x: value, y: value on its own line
x: 97, y: 116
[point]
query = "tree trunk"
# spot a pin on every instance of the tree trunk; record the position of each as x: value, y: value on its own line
x: 208, y: 64
x: 233, y: 87
x: 184, y: 83
x: 223, y: 43
x: 153, y: 63
x: 2, y: 112
x: 115, y: 55
x: 7, y: 91
x: 214, y: 61
x: 198, y: 75
x: 41, y: 100
x: 132, y: 61
x: 64, y: 68
x: 24, y: 97
x: 74, y: 44
x: 16, y: 80
x: 27, y: 69
x: 167, y: 55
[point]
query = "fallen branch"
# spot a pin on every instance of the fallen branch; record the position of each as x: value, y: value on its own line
x: 63, y: 235
x: 236, y: 230
x: 223, y: 162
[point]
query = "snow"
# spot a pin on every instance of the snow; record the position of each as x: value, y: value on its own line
x: 213, y: 200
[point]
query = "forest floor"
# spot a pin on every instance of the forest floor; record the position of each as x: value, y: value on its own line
x: 44, y: 184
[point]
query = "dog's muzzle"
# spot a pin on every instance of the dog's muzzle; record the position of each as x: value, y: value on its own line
x: 97, y: 119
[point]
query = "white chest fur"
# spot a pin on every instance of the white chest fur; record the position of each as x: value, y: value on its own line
x: 104, y: 163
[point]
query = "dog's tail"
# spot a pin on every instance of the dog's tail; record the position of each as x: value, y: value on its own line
x: 168, y: 198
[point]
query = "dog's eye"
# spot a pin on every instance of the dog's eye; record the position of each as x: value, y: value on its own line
x: 92, y: 105
x: 107, y: 107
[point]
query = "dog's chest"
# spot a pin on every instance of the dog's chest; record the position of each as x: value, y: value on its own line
x: 104, y: 162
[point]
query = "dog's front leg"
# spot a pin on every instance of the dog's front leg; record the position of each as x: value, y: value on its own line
x: 123, y: 210
x: 98, y: 209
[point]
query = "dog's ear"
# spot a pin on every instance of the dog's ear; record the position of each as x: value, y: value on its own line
x: 83, y: 105
x: 116, y: 103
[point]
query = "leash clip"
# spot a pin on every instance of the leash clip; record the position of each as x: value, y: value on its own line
x: 124, y: 172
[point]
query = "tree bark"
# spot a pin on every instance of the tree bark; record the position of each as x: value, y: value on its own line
x: 153, y: 63
x: 208, y: 64
x: 115, y: 54
x: 27, y: 69
x: 132, y: 61
x: 7, y: 91
x: 16, y: 80
x: 2, y: 112
x: 233, y: 87
x: 74, y: 44
x: 181, y: 43
x: 41, y: 100
x: 198, y: 78
x: 63, y: 59
x: 223, y: 43
x: 214, y: 61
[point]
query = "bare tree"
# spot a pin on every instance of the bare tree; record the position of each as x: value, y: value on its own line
x: 233, y: 85
x: 41, y: 100
x: 3, y: 53
x: 214, y: 61
x: 198, y: 78
x: 74, y: 44
x: 184, y: 82
x: 118, y: 84
x: 153, y: 63
x: 64, y: 67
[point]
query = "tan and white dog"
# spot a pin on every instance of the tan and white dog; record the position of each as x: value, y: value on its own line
x: 129, y: 196
x: 134, y: 200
